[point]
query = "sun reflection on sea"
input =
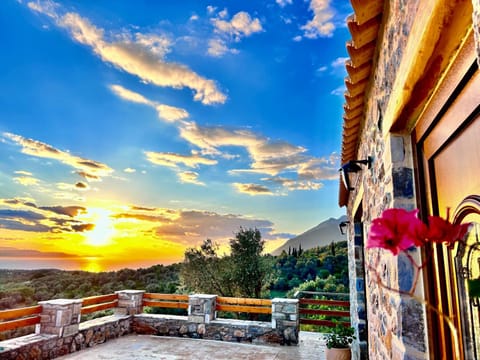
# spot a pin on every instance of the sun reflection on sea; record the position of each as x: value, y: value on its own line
x: 92, y: 265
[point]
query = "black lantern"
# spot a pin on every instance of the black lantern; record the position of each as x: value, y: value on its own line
x: 343, y: 227
x: 350, y: 169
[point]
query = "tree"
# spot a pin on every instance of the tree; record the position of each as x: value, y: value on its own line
x: 249, y: 267
x: 204, y: 271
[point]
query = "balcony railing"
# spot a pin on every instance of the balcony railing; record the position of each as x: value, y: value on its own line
x: 59, y: 328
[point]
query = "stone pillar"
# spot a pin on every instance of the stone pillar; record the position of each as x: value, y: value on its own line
x: 60, y: 317
x: 286, y: 319
x: 201, y: 308
x: 130, y: 302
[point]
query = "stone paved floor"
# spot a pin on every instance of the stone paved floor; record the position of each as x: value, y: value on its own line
x: 311, y: 347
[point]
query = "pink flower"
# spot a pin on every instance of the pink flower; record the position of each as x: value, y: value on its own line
x: 396, y: 230
x: 441, y: 230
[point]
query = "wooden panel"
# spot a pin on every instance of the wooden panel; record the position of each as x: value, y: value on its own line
x: 325, y: 312
x: 365, y: 10
x: 364, y: 33
x: 358, y: 74
x: 325, y: 302
x: 99, y: 307
x: 357, y: 88
x: 457, y: 168
x: 179, y: 297
x: 98, y: 299
x: 463, y: 106
x: 463, y: 62
x: 244, y: 308
x: 21, y: 312
x: 327, y: 323
x: 243, y: 301
x: 166, y: 304
x: 15, y: 324
x: 360, y: 56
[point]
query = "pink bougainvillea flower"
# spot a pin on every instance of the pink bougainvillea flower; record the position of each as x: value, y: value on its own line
x: 441, y: 230
x: 396, y: 230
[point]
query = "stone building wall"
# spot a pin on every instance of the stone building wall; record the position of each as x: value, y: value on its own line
x: 396, y: 324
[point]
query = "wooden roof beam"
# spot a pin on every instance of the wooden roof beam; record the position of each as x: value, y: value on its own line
x: 366, y: 10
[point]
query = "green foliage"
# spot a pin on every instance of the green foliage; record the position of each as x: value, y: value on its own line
x: 204, y: 271
x: 248, y: 265
x: 313, y: 270
x: 340, y: 337
x: 244, y: 273
x: 27, y: 287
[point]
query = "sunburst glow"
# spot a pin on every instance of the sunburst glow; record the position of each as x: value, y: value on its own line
x: 104, y: 229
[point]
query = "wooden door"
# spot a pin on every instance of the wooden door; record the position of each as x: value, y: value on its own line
x: 448, y: 159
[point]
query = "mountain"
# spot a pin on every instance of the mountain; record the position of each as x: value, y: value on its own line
x: 320, y: 235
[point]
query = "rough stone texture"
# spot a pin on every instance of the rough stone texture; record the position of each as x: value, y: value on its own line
x: 90, y: 333
x: 130, y: 302
x: 389, y: 183
x: 221, y: 329
x: 50, y: 346
x: 201, y: 308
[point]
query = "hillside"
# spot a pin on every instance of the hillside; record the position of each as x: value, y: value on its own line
x: 320, y: 235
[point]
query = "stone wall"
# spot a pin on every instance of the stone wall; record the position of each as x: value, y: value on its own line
x: 396, y: 324
x: 231, y: 330
x: 50, y: 346
x: 60, y: 331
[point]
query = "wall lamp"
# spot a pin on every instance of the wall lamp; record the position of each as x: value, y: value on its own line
x: 343, y: 227
x: 350, y: 168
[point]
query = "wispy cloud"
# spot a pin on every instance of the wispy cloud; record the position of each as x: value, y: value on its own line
x: 6, y: 251
x: 241, y: 25
x: 165, y: 112
x: 339, y: 91
x: 191, y: 227
x: 283, y: 3
x: 190, y: 177
x: 339, y: 62
x: 90, y: 168
x: 26, y: 180
x: 172, y: 159
x: 25, y: 215
x: 252, y: 189
x: 267, y: 156
x: 292, y: 185
x: 218, y: 47
x: 140, y: 55
x: 321, y: 25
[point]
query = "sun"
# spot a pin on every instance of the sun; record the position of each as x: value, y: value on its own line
x: 103, y: 231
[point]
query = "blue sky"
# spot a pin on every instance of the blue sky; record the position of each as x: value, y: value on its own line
x: 148, y: 126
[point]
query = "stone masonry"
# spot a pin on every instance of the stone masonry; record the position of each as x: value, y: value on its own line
x: 60, y: 331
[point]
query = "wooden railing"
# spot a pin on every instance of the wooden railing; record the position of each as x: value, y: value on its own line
x: 97, y: 303
x: 17, y: 318
x: 311, y: 308
x: 252, y: 306
x: 171, y: 301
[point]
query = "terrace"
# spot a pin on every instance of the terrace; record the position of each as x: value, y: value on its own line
x: 131, y: 333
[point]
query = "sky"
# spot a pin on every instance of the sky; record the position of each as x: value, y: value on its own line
x: 133, y: 130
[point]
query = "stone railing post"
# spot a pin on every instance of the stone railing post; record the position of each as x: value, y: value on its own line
x: 60, y: 317
x: 130, y: 302
x: 201, y: 308
x: 286, y: 319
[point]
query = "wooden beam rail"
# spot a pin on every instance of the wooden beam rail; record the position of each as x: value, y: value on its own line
x: 342, y: 311
x: 21, y: 317
x: 252, y: 306
x: 171, y: 301
x: 98, y: 303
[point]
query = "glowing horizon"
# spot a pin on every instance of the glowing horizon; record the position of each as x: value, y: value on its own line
x: 131, y: 132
